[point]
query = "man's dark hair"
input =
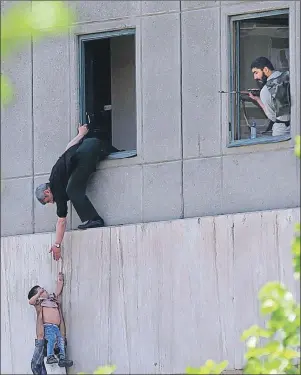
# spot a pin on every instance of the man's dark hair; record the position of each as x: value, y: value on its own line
x: 33, y: 291
x: 262, y: 62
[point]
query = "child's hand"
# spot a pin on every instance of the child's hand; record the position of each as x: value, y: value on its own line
x: 60, y: 277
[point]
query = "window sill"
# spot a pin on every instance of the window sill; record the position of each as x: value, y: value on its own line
x: 261, y: 140
x: 122, y: 155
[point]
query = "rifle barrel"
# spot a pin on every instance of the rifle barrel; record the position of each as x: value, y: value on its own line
x: 239, y: 92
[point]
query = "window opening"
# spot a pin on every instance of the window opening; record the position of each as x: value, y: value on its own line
x: 108, y: 89
x: 264, y: 34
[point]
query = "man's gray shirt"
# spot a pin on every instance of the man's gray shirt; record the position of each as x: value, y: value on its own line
x: 267, y: 101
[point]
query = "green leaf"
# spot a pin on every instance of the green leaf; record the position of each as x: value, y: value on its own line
x: 297, y: 146
x: 6, y: 90
x: 256, y: 331
x: 210, y: 367
x: 105, y: 370
x: 36, y: 19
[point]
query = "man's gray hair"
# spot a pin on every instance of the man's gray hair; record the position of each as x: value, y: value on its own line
x: 40, y: 192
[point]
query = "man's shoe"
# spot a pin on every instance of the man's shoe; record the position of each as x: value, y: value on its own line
x: 63, y: 362
x: 92, y: 224
x: 51, y: 359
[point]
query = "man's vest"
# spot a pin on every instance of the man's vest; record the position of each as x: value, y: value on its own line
x: 279, y: 89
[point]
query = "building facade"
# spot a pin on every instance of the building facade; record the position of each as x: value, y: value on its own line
x: 165, y: 83
x: 147, y: 75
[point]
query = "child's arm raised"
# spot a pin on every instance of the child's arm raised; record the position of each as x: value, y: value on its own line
x: 33, y: 300
x: 59, y: 284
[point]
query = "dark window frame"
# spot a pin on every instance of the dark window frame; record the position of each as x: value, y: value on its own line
x: 234, y: 60
x: 82, y: 39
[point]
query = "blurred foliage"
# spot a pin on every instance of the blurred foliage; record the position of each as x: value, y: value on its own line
x: 102, y: 370
x: 210, y: 367
x: 24, y: 21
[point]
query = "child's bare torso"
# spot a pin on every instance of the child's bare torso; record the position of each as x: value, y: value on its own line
x: 51, y: 313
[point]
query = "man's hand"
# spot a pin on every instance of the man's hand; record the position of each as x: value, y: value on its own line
x: 56, y: 252
x: 253, y: 97
x: 83, y: 129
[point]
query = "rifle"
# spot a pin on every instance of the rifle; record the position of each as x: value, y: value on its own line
x: 255, y: 92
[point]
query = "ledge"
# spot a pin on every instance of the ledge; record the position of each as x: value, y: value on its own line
x: 261, y: 140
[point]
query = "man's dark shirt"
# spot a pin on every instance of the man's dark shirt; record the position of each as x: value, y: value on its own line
x: 58, y: 180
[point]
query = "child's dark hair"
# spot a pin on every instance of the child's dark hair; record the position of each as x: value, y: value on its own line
x: 33, y: 291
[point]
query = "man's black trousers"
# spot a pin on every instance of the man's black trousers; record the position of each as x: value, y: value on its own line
x: 88, y: 154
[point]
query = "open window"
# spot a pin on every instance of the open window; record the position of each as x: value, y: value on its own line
x: 251, y: 36
x: 108, y: 89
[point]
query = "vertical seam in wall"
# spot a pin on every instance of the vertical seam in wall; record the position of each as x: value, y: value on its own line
x: 141, y: 115
x: 5, y: 274
x: 278, y: 248
x: 110, y: 302
x: 32, y: 133
x: 181, y: 114
x: 220, y: 107
x: 70, y: 71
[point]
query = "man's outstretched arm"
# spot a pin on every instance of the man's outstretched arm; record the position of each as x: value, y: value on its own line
x: 59, y: 235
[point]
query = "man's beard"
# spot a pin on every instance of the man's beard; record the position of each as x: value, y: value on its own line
x: 261, y: 82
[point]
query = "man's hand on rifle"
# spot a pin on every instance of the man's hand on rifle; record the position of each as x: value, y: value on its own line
x: 253, y: 97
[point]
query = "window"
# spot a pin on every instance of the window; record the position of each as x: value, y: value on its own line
x: 108, y: 89
x: 251, y: 36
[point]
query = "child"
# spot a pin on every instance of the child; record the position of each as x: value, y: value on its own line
x: 51, y: 320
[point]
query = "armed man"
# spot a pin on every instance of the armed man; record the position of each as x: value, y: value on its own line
x: 274, y: 96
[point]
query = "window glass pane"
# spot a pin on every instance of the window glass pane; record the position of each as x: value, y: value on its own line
x: 263, y: 36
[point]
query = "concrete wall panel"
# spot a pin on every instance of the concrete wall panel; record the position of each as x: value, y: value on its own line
x: 116, y: 194
x: 6, y: 344
x: 90, y: 310
x: 193, y: 270
x: 28, y: 263
x: 161, y: 128
x: 50, y: 101
x: 162, y: 190
x: 196, y: 4
x: 200, y: 59
x: 202, y: 187
x: 16, y: 118
x: 252, y: 268
x: 262, y: 180
x: 147, y: 297
x: 224, y: 229
x: 285, y: 223
x: 125, y: 246
x: 88, y: 11
x: 151, y: 7
x: 16, y: 206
